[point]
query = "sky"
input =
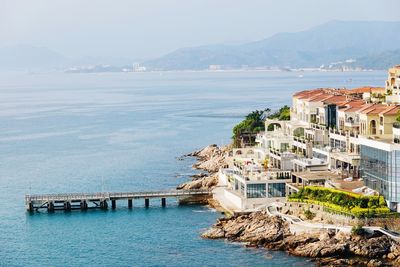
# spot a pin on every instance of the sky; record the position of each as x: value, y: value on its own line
x: 150, y: 28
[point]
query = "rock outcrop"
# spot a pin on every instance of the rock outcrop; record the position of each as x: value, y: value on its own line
x: 256, y: 229
x: 200, y: 183
x: 326, y: 248
x: 210, y: 159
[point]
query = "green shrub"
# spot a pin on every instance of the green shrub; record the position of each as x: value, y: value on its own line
x: 309, y: 214
x: 342, y: 201
x: 282, y: 114
x: 357, y: 230
x: 253, y: 124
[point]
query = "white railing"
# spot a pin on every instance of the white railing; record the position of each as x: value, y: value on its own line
x: 115, y: 195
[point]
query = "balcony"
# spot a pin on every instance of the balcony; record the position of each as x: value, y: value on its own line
x: 319, y: 126
x: 259, y: 137
x: 351, y: 123
x: 338, y: 150
x: 275, y: 152
x: 352, y: 134
x: 342, y: 133
x: 299, y: 139
x: 335, y: 131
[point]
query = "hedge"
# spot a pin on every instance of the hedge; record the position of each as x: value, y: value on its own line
x: 342, y: 201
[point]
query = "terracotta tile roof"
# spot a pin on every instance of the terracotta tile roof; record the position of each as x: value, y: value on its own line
x: 314, y: 92
x: 307, y: 92
x: 354, y: 103
x: 344, y: 91
x: 364, y: 107
x: 390, y: 110
x: 358, y: 103
x: 336, y: 91
x: 320, y: 97
x: 378, y: 90
x: 367, y: 89
x: 374, y: 109
x: 351, y: 109
x: 337, y: 100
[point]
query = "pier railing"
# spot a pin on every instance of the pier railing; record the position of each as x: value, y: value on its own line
x: 84, y: 201
x: 66, y: 197
x: 114, y: 195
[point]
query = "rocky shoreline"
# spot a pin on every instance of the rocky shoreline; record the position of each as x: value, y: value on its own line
x: 209, y: 159
x: 326, y: 248
x: 258, y: 229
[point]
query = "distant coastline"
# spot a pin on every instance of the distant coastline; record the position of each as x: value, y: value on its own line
x: 99, y: 69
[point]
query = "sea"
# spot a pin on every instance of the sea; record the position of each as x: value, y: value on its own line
x: 106, y: 132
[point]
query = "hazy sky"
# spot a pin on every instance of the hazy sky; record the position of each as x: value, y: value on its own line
x: 149, y: 28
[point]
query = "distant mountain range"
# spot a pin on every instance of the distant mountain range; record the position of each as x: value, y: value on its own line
x: 336, y: 44
x: 24, y: 57
x: 373, y: 45
x: 28, y: 57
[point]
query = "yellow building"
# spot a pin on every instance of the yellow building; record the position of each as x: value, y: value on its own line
x: 377, y: 120
x: 392, y: 85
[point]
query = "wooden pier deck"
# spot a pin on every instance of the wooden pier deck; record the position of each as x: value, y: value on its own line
x: 84, y: 201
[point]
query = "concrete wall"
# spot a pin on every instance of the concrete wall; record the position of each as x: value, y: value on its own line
x: 254, y: 203
x: 222, y: 179
x: 233, y: 199
x: 297, y: 209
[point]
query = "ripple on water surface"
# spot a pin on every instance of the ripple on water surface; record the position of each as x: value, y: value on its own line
x: 122, y: 132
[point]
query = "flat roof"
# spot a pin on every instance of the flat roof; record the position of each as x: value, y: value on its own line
x: 348, y: 185
x: 311, y: 162
x: 317, y: 175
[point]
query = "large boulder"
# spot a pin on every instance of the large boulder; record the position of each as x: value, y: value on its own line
x: 206, y: 152
x: 210, y: 158
x: 207, y: 182
x: 257, y: 228
x: 327, y: 248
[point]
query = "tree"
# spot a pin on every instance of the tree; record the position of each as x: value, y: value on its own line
x: 251, y: 125
x: 283, y: 114
x: 254, y: 123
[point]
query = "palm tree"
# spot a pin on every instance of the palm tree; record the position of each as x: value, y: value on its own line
x: 258, y: 115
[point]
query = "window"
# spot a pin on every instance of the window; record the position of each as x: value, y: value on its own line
x: 376, y: 168
x: 242, y: 189
x: 256, y: 191
x: 276, y: 190
x: 373, y: 127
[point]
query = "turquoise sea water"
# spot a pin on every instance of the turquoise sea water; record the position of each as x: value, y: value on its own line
x: 121, y: 132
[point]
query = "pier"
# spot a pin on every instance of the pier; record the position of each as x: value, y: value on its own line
x: 85, y: 201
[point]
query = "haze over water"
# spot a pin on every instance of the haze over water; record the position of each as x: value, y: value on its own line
x: 122, y: 132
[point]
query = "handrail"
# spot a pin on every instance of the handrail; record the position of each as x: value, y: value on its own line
x: 108, y: 195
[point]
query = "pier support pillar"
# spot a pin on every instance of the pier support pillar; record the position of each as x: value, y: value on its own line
x: 146, y: 202
x: 113, y: 204
x: 163, y: 202
x: 67, y: 206
x: 30, y: 207
x: 50, y: 207
x: 84, y: 205
x: 103, y: 204
x: 130, y: 203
